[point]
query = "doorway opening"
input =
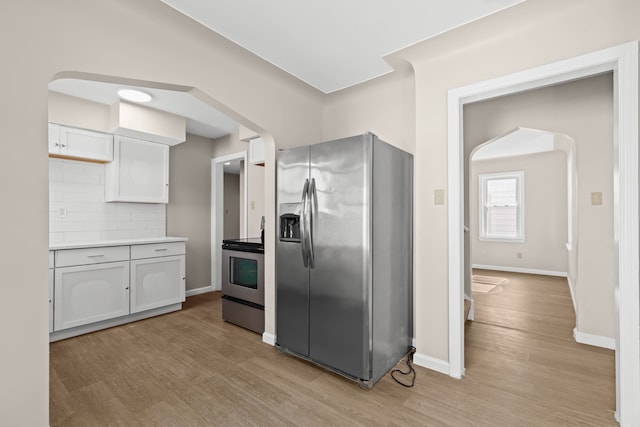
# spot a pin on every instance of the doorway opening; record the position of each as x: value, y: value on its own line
x: 520, y: 210
x: 219, y: 194
x: 623, y: 61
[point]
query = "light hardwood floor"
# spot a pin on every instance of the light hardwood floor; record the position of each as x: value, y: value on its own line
x: 191, y: 369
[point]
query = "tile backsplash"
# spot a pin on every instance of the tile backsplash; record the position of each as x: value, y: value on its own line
x: 78, y: 212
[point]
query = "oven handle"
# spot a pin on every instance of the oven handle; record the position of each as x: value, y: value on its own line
x: 303, y: 224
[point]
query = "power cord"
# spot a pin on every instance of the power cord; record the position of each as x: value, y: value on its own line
x: 411, y: 371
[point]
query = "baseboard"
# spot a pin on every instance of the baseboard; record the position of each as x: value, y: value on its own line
x: 198, y: 291
x: 431, y: 363
x: 268, y: 338
x: 109, y: 323
x: 521, y: 270
x: 594, y: 340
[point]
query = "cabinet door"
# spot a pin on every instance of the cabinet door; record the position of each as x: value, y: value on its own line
x: 139, y: 172
x: 156, y: 282
x: 54, y: 138
x: 256, y: 151
x: 50, y: 300
x: 86, y: 144
x: 76, y: 143
x: 90, y: 293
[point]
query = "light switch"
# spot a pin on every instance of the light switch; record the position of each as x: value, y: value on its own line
x: 62, y: 213
x: 253, y: 205
x: 438, y: 196
x: 596, y: 198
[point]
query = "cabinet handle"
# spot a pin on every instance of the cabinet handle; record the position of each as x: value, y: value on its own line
x: 56, y: 144
x: 161, y: 250
x: 95, y: 256
x: 63, y: 145
x: 126, y: 288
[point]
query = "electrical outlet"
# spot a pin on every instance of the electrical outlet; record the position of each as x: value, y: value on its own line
x: 519, y: 255
x: 62, y: 213
x: 438, y: 196
x: 596, y: 198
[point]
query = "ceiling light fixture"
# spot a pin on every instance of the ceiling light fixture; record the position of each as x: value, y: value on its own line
x: 134, y: 95
x: 227, y: 163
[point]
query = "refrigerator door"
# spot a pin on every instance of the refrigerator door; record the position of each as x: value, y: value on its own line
x: 292, y: 277
x: 340, y: 280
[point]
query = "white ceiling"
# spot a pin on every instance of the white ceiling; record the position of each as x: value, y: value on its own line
x: 517, y: 142
x: 330, y: 44
x: 333, y: 44
x: 202, y: 119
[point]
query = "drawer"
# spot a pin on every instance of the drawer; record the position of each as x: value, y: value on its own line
x: 157, y: 249
x: 50, y: 259
x: 97, y: 255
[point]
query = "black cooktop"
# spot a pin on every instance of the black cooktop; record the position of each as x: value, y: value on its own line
x: 249, y: 244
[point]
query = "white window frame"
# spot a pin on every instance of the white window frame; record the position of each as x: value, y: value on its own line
x: 483, y: 179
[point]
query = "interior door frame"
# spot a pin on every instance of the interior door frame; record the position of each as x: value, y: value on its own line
x: 217, y: 212
x: 622, y: 60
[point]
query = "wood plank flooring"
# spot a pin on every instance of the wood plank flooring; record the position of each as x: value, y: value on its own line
x: 189, y: 368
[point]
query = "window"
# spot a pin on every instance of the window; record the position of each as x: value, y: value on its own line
x: 502, y: 206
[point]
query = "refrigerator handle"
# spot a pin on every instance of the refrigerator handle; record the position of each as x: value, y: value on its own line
x: 303, y: 224
x: 313, y: 205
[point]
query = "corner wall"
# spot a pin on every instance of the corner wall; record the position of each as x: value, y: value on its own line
x: 151, y: 43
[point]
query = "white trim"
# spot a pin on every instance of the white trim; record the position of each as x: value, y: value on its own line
x: 623, y: 61
x: 573, y: 297
x: 520, y: 270
x: 217, y: 215
x: 198, y: 291
x: 472, y: 308
x: 429, y: 362
x: 595, y: 340
x: 268, y: 338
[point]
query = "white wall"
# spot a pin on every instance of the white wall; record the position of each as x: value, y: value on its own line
x: 545, y: 204
x: 533, y: 33
x: 256, y: 207
x: 144, y: 40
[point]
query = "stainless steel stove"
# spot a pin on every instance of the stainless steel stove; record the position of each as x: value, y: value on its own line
x: 243, y: 283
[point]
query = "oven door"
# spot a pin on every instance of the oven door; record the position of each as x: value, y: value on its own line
x: 243, y: 275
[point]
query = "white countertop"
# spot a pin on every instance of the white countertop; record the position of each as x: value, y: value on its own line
x: 101, y: 243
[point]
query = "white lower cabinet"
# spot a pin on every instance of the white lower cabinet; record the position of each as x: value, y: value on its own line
x: 90, y: 293
x: 156, y: 282
x: 92, y: 288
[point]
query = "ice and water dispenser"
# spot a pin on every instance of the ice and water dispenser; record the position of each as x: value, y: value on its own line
x: 290, y: 222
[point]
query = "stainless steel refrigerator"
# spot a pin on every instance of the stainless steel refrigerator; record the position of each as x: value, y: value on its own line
x: 344, y: 255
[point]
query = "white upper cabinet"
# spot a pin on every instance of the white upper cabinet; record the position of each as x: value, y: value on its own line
x: 68, y: 142
x: 256, y: 151
x: 139, y: 172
